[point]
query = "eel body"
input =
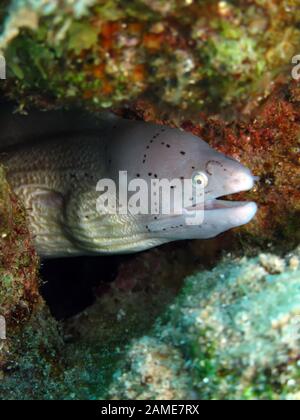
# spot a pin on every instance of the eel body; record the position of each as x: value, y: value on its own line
x: 56, y: 176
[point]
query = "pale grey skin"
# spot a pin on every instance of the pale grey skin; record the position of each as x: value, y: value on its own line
x: 56, y: 178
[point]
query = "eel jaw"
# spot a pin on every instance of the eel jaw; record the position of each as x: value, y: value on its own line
x: 222, y: 215
x: 237, y: 213
x: 240, y: 212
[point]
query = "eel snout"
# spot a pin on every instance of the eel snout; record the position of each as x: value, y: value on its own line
x: 234, y: 213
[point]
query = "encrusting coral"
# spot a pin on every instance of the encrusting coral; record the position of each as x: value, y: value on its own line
x: 234, y: 331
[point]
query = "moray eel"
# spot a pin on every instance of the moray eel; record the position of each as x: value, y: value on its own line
x: 56, y: 175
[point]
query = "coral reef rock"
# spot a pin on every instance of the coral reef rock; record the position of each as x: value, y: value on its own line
x: 18, y: 261
x: 191, y: 55
x: 232, y: 333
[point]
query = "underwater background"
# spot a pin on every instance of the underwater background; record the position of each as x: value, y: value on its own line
x: 216, y: 319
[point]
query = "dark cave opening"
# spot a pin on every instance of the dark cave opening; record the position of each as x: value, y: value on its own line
x: 69, y: 284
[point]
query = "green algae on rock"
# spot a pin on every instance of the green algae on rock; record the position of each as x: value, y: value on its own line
x: 31, y: 366
x: 157, y: 372
x: 195, y: 55
x: 236, y: 330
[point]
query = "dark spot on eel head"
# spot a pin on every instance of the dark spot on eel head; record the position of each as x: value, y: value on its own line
x: 212, y: 162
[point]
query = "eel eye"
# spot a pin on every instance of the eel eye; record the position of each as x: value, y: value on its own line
x: 200, y: 178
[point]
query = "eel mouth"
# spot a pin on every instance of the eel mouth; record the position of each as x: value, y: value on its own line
x: 235, y: 213
x: 247, y: 182
x: 217, y: 204
x: 238, y: 212
x: 241, y: 211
